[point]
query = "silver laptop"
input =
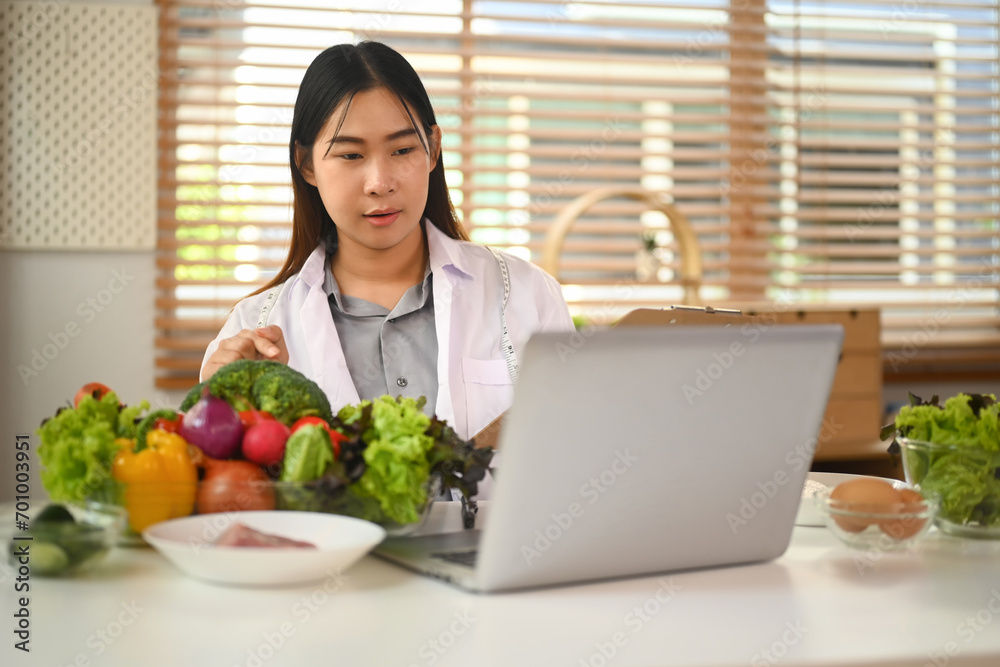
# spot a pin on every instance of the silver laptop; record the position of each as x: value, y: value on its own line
x: 644, y: 450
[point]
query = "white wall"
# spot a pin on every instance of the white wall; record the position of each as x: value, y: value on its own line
x: 69, y: 319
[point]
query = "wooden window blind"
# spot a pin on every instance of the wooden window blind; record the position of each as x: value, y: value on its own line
x: 841, y: 153
x: 882, y: 185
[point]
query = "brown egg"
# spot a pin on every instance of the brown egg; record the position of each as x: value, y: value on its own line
x: 900, y: 529
x: 865, y: 494
x: 911, y: 497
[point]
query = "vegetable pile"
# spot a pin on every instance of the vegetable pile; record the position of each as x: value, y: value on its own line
x: 965, y: 472
x: 256, y: 435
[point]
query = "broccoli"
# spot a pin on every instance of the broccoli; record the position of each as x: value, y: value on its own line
x: 268, y: 386
x: 234, y: 381
x: 289, y: 395
x: 192, y: 396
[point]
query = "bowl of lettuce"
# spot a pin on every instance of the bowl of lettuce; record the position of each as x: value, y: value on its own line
x: 394, y: 461
x: 952, y: 451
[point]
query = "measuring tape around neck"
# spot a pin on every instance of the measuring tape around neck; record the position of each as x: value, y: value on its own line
x: 269, y: 301
x: 508, y: 349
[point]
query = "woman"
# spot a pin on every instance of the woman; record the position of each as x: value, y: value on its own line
x: 382, y: 292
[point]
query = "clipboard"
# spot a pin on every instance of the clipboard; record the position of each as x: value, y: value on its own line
x: 689, y: 315
x: 854, y: 412
x: 677, y: 314
x: 856, y: 397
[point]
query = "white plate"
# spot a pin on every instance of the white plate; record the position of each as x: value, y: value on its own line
x: 808, y: 513
x: 340, y: 542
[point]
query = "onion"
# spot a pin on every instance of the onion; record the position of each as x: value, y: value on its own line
x: 234, y: 486
x: 213, y: 426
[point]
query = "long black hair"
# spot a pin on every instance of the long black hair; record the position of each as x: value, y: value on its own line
x: 335, y: 76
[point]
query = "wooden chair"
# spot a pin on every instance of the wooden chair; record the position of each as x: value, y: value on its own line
x: 687, y: 242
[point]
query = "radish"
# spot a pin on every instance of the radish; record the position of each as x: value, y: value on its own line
x: 264, y: 442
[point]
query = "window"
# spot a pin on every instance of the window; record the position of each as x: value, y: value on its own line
x: 843, y: 153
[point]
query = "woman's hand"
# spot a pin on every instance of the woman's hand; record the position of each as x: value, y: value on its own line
x: 264, y: 343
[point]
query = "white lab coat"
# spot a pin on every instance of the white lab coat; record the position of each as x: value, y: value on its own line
x: 474, y: 383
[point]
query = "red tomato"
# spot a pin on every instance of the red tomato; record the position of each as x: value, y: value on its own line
x: 302, y: 421
x: 165, y: 424
x: 336, y: 437
x: 95, y: 389
x: 253, y: 416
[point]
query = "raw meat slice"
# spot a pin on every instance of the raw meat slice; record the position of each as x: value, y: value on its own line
x: 240, y: 535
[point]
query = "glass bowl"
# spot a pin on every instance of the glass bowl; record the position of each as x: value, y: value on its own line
x: 334, y: 499
x: 70, y: 543
x: 966, y: 481
x: 885, y: 527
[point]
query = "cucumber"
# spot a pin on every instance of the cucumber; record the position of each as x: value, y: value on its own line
x: 47, y: 558
x: 60, y: 543
x: 54, y: 514
x: 82, y: 543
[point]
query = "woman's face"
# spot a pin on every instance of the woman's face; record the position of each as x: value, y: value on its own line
x: 373, y: 175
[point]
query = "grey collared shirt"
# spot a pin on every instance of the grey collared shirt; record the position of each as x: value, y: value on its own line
x: 388, y: 352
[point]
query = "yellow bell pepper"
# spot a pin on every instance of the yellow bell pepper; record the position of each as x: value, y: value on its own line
x: 161, y: 481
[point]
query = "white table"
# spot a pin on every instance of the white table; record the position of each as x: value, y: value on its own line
x: 819, y: 604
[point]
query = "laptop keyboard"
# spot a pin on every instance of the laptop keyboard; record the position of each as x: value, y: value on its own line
x: 467, y: 558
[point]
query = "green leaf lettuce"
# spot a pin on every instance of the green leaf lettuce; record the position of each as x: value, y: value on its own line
x: 397, y: 469
x: 955, y: 423
x: 78, y: 446
x: 964, y: 473
x: 308, y: 453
